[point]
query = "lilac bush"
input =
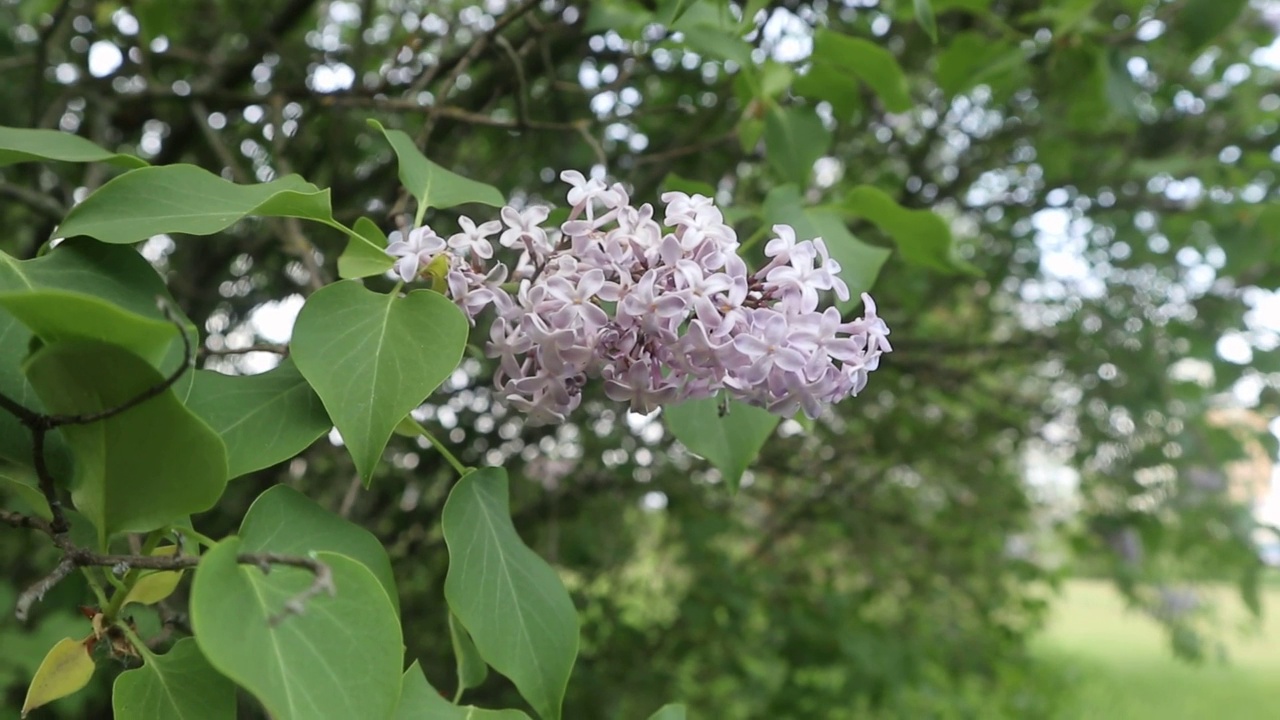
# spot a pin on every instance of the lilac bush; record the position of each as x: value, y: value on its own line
x: 659, y: 315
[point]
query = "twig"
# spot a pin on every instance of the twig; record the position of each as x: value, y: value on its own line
x: 679, y: 152
x: 21, y: 521
x: 74, y: 556
x: 295, y: 240
x: 42, y: 58
x: 522, y: 87
x: 473, y: 52
x: 349, y: 498
x: 463, y: 63
x: 36, y: 592
x: 37, y: 201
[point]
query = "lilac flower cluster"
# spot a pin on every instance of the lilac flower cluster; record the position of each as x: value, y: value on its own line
x: 661, y: 315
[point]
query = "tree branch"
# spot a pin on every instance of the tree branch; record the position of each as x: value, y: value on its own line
x: 74, y: 556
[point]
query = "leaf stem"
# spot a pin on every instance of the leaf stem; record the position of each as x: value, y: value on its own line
x: 435, y: 442
x: 756, y: 237
x: 95, y: 586
x: 194, y: 535
x: 125, y: 586
x: 136, y: 641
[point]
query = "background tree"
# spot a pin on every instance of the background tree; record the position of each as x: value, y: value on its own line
x: 1070, y: 207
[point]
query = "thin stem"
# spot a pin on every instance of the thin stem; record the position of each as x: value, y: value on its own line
x: 198, y: 537
x: 125, y: 586
x: 95, y: 586
x: 756, y: 237
x: 137, y: 642
x: 435, y: 442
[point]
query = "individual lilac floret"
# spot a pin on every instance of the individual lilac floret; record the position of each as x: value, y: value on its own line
x: 660, y: 312
x: 415, y: 252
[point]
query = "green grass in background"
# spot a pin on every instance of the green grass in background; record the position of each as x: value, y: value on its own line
x: 1121, y: 666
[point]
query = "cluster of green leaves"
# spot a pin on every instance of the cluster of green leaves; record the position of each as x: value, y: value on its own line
x: 84, y: 334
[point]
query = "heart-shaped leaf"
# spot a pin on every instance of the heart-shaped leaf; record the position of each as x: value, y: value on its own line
x: 141, y: 469
x: 372, y: 358
x: 284, y: 520
x: 339, y: 658
x: 432, y: 185
x: 262, y: 419
x: 66, y: 669
x: 509, y: 599
x: 177, y: 685
x: 26, y: 145
x: 729, y: 441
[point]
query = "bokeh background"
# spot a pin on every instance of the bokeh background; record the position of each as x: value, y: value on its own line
x: 1054, y: 499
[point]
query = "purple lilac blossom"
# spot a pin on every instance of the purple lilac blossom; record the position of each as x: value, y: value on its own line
x: 660, y: 312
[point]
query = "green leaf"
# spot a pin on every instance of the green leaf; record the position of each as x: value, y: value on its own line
x: 825, y: 81
x: 509, y: 599
x: 66, y: 669
x: 669, y: 712
x: 730, y: 441
x: 284, y: 520
x: 178, y: 685
x: 972, y: 58
x: 262, y: 419
x: 19, y: 145
x: 922, y: 237
x: 795, y: 138
x: 860, y: 263
x: 1200, y: 21
x: 925, y: 16
x: 152, y: 586
x: 868, y: 62
x: 712, y: 42
x: 750, y: 130
x: 86, y: 290
x: 472, y: 669
x: 432, y: 185
x: 372, y: 358
x: 15, y: 438
x: 339, y: 658
x: 366, y: 252
x: 22, y: 483
x: 1070, y: 13
x: 675, y: 183
x: 187, y: 199
x: 670, y: 11
x: 139, y: 470
x: 420, y: 701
